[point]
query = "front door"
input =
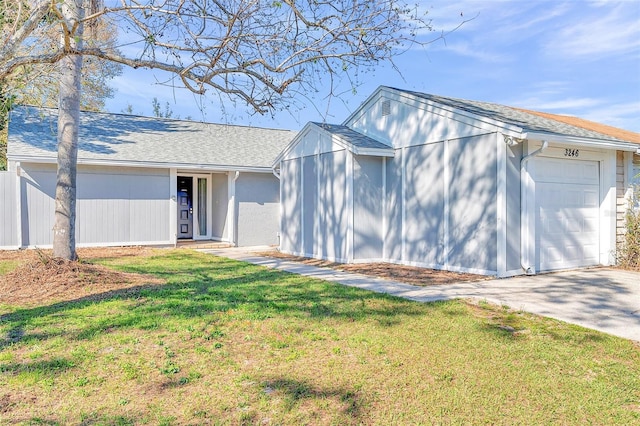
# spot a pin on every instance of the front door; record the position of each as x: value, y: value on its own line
x: 185, y: 207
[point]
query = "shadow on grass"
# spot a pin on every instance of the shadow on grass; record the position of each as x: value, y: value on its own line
x: 202, y: 285
x: 294, y: 392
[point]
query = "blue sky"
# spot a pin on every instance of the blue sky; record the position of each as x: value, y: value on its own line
x: 578, y: 57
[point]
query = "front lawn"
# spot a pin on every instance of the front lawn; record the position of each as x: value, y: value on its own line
x: 224, y: 342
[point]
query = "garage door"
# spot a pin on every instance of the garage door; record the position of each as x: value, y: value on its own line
x: 567, y: 213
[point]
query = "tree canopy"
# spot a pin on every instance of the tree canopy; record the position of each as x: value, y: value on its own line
x: 262, y: 52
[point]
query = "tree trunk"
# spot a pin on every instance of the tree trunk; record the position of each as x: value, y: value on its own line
x: 64, y: 239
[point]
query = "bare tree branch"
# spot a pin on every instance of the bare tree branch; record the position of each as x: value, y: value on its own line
x: 254, y: 50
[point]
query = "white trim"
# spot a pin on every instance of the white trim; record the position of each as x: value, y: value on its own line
x: 369, y: 260
x: 173, y: 206
x: 527, y: 211
x: 403, y: 204
x: 437, y: 266
x: 303, y: 254
x: 318, y: 212
x: 606, y: 159
x: 296, y: 139
x: 511, y: 273
x: 385, y: 225
x: 18, y: 170
x: 349, y: 205
x: 446, y: 206
x: 109, y: 244
x: 195, y: 231
x: 231, y: 207
x: 608, y: 208
x: 501, y: 205
x: 280, y: 206
x: 184, y: 167
x: 196, y: 210
x: 582, y: 141
x: 302, y: 198
x: 446, y: 111
x: 373, y: 152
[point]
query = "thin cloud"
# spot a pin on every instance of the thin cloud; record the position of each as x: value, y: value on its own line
x: 601, y: 31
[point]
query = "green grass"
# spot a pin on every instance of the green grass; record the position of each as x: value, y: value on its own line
x: 8, y: 266
x: 225, y: 342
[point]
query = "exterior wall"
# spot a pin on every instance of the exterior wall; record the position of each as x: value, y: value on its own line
x: 8, y: 210
x: 333, y: 214
x: 115, y: 205
x: 310, y: 202
x: 424, y: 217
x: 312, y: 142
x: 257, y: 209
x: 513, y: 188
x: 220, y: 197
x: 410, y: 122
x: 447, y: 214
x: 367, y: 206
x: 38, y: 188
x: 393, y: 207
x: 472, y: 190
x: 432, y: 205
x: 291, y: 206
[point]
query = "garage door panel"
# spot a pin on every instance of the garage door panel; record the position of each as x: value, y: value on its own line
x: 567, y: 213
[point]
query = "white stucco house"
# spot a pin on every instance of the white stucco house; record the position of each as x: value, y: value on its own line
x: 143, y: 181
x: 453, y: 184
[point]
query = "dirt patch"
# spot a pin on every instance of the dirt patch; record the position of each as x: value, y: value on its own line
x: 406, y: 274
x: 40, y: 278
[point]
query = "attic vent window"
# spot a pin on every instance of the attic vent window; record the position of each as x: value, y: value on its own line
x: 386, y: 107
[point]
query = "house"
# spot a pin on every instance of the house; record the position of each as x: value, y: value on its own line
x: 143, y: 181
x: 452, y: 184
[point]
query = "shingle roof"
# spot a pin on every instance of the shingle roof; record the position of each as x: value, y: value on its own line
x: 530, y: 121
x: 353, y: 138
x: 126, y: 138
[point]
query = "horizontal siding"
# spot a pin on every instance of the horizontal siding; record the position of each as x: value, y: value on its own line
x: 8, y: 210
x: 621, y: 202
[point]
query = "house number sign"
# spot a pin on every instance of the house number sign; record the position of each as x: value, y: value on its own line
x: 568, y: 152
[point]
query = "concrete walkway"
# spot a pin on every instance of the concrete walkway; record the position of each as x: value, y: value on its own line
x: 602, y: 299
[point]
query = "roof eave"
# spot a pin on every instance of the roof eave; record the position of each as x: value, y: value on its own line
x: 296, y: 139
x: 143, y: 164
x: 491, y: 124
x: 582, y: 141
x: 374, y: 152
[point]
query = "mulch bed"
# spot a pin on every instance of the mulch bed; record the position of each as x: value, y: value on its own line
x: 407, y: 274
x: 42, y: 278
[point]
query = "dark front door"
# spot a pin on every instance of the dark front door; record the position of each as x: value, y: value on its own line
x: 185, y: 207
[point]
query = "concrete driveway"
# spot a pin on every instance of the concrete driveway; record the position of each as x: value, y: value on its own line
x: 602, y: 299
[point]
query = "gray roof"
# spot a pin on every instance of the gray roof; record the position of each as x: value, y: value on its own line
x: 527, y: 121
x: 131, y: 139
x: 351, y: 137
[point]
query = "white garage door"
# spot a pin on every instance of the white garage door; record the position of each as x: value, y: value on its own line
x: 567, y: 213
